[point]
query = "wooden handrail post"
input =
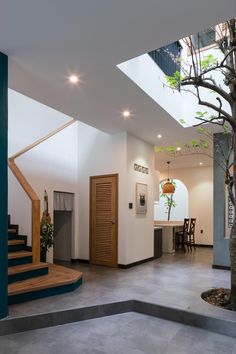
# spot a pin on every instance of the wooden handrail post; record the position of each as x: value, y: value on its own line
x: 36, y: 230
x: 35, y: 209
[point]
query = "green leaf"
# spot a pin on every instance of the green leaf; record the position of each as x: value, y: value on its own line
x: 171, y: 149
x: 226, y: 129
x: 202, y: 130
x: 204, y: 144
x: 174, y: 81
x: 194, y: 143
x: 208, y: 61
x: 182, y: 121
x: 159, y: 149
x: 201, y: 114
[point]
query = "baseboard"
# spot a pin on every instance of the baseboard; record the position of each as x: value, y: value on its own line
x: 126, y: 266
x: 215, y: 266
x: 202, y: 245
x: 79, y: 260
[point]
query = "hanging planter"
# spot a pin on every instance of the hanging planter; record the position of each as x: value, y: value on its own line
x: 168, y: 187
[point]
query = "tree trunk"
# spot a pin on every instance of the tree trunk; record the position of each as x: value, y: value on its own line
x: 170, y: 201
x: 232, y: 241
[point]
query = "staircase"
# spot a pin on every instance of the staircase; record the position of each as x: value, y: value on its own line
x: 27, y: 280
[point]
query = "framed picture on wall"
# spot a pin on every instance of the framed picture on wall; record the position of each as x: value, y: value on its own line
x: 141, y: 198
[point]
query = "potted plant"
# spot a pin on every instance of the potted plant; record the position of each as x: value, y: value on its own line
x: 46, y: 231
x: 46, y: 239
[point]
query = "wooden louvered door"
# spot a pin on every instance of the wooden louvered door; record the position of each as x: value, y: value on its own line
x: 104, y: 220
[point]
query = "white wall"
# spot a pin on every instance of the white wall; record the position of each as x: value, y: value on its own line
x: 52, y: 165
x: 99, y: 154
x: 66, y: 161
x: 140, y: 227
x: 199, y: 182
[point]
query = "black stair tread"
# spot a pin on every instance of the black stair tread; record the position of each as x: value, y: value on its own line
x: 16, y: 242
x: 26, y: 267
x: 19, y: 254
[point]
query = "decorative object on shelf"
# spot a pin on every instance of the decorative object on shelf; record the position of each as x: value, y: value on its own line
x: 140, y: 168
x: 141, y: 198
x: 46, y: 231
x: 168, y: 186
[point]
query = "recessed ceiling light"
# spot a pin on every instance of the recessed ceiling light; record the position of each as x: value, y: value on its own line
x: 74, y: 79
x: 200, y: 163
x: 178, y: 148
x: 159, y: 136
x: 126, y: 113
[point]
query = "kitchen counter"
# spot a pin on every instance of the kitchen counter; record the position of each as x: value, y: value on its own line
x: 168, y: 232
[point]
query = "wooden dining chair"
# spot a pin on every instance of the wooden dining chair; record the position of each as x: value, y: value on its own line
x: 190, y: 241
x: 181, y: 236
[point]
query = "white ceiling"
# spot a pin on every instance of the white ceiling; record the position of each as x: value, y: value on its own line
x: 47, y: 40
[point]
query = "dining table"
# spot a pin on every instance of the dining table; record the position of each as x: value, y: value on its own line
x: 168, y: 233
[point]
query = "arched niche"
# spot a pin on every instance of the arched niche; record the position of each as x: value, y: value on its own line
x: 180, y: 208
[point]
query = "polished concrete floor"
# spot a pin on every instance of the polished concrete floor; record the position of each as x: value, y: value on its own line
x: 128, y: 333
x: 174, y: 280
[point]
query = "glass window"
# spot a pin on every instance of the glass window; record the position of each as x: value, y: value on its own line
x: 204, y: 39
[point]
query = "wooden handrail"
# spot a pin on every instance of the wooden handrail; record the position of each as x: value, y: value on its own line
x: 35, y: 201
x: 39, y: 141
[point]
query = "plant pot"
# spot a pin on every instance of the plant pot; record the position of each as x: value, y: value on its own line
x: 43, y: 257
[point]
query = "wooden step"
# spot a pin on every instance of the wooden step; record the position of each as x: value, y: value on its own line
x: 15, y: 245
x: 15, y: 242
x: 26, y: 271
x: 59, y: 280
x: 20, y: 254
x: 19, y: 257
x: 12, y: 231
x: 25, y: 267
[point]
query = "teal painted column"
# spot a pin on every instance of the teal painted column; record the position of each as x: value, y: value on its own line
x: 3, y: 183
x: 220, y: 243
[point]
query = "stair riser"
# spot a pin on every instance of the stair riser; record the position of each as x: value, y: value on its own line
x: 15, y: 299
x: 27, y: 275
x: 12, y: 236
x: 16, y: 248
x: 18, y: 261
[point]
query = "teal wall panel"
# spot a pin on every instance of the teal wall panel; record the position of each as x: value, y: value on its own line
x: 3, y: 183
x: 220, y: 243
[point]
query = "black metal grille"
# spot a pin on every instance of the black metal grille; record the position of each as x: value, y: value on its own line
x: 167, y: 58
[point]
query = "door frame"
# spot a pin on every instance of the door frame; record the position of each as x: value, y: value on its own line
x: 116, y: 175
x: 72, y: 236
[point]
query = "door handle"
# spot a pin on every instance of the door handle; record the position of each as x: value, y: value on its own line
x: 113, y: 222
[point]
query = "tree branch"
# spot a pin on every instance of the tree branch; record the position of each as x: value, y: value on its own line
x: 198, y: 81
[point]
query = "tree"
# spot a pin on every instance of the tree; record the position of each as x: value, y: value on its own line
x: 169, y: 200
x: 207, y: 73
